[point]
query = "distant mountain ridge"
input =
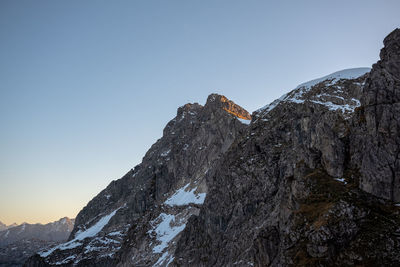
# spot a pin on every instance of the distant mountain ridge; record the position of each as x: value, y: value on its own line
x: 18, y: 242
x: 55, y: 231
x: 5, y: 227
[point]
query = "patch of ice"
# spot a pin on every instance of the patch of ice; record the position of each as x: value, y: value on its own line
x: 184, y: 197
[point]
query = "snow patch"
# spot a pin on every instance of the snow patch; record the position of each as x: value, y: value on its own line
x: 336, y: 76
x: 165, y: 153
x: 184, y: 197
x: 90, y: 232
x: 331, y: 106
x: 165, y: 231
x: 342, y: 180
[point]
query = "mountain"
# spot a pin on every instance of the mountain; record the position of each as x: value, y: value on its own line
x: 312, y: 180
x: 5, y: 227
x: 20, y: 242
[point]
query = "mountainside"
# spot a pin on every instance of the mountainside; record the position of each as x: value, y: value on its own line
x: 313, y: 180
x: 149, y: 206
x: 295, y: 190
x: 20, y: 242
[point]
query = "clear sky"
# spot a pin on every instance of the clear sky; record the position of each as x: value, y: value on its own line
x: 87, y: 86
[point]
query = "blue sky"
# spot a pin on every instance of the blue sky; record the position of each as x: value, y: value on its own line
x: 87, y: 86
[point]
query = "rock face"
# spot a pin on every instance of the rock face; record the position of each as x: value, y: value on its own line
x: 139, y: 217
x: 378, y: 135
x: 18, y: 243
x: 309, y: 182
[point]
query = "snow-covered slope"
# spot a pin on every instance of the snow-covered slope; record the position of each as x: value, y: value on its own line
x: 330, y: 91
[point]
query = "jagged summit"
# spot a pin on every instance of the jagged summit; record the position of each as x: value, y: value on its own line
x: 215, y: 103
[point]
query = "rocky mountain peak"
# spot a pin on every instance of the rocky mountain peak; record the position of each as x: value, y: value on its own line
x: 152, y: 203
x: 216, y: 102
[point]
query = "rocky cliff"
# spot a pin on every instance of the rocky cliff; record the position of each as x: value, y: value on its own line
x: 377, y: 125
x: 313, y: 180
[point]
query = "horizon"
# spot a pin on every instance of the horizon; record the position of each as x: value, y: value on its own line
x: 83, y: 99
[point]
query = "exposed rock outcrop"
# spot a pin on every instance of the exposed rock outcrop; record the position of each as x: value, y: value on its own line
x: 377, y: 143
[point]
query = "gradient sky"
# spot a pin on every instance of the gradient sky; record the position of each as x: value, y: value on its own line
x: 87, y: 86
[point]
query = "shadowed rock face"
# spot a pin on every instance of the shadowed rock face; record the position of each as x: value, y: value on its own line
x: 378, y: 129
x: 133, y: 213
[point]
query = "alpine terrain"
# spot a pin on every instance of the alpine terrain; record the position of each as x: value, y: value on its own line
x: 311, y: 179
